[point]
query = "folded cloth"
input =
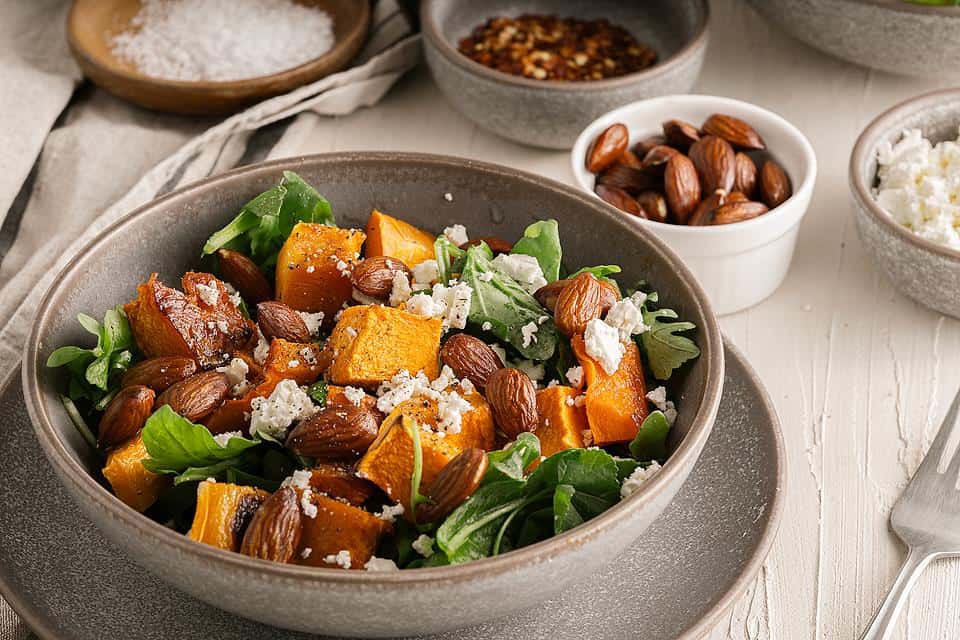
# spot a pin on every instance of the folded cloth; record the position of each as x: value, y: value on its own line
x: 67, y: 166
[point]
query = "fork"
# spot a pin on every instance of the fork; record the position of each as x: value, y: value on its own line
x: 926, y: 518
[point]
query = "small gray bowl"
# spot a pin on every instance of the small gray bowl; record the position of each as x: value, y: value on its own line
x: 165, y: 236
x: 551, y: 114
x: 889, y: 35
x: 921, y: 269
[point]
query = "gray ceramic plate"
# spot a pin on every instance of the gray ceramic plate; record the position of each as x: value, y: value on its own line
x: 69, y: 582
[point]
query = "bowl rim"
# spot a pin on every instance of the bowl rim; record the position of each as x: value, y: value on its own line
x: 803, y: 191
x: 135, y: 523
x: 246, y: 85
x: 432, y: 34
x: 863, y: 152
x: 900, y: 6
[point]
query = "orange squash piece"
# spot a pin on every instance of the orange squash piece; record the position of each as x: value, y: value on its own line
x: 340, y: 481
x: 388, y: 236
x: 616, y: 404
x: 562, y: 423
x: 132, y: 483
x: 307, y: 275
x: 372, y: 343
x: 167, y: 322
x: 339, y: 527
x: 388, y: 463
x: 223, y: 513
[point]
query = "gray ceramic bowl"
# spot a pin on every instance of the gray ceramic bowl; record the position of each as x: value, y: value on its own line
x: 889, y: 35
x: 551, y: 113
x: 921, y: 269
x: 166, y: 235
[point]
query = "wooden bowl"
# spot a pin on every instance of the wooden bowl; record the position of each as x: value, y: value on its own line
x: 93, y: 23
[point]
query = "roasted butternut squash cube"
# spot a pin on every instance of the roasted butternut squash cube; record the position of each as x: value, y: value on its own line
x: 223, y: 513
x: 313, y: 268
x: 388, y: 236
x: 562, y: 422
x: 388, y: 463
x: 340, y: 481
x: 616, y: 404
x: 372, y: 343
x: 132, y: 483
x: 200, y: 322
x: 339, y: 527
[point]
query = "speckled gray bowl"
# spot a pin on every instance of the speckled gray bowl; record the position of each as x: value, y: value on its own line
x: 166, y: 235
x: 924, y: 270
x: 551, y: 113
x: 889, y: 35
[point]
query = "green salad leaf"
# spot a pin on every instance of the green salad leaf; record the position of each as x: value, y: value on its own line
x: 175, y: 444
x: 449, y: 258
x: 470, y: 531
x: 542, y: 241
x: 602, y: 272
x: 666, y: 350
x: 592, y: 472
x: 650, y: 443
x: 511, y: 462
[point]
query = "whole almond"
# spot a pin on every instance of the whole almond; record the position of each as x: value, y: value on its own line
x: 630, y: 159
x: 738, y: 212
x: 627, y: 178
x: 578, y: 303
x: 703, y: 214
x: 643, y: 147
x: 374, y: 276
x: 340, y: 431
x: 277, y: 320
x: 774, y: 184
x: 744, y: 174
x: 470, y: 358
x: 497, y: 245
x: 456, y: 482
x: 548, y: 294
x: 275, y: 529
x: 196, y: 397
x: 125, y: 415
x: 245, y: 275
x: 653, y: 204
x: 737, y: 196
x: 513, y: 401
x: 608, y: 146
x: 715, y: 162
x: 159, y: 373
x: 680, y: 134
x: 734, y: 130
x: 682, y: 187
x: 618, y: 198
x: 655, y: 162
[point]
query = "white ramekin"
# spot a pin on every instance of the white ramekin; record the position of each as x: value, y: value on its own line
x: 738, y: 264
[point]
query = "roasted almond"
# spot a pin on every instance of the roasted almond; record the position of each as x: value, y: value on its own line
x: 125, y: 415
x: 618, y: 198
x: 497, y: 245
x: 630, y: 159
x: 715, y: 162
x: 627, y: 178
x: 245, y: 276
x: 738, y: 212
x: 159, y: 373
x: 774, y: 184
x: 655, y: 162
x: 733, y: 130
x: 275, y: 529
x: 680, y: 134
x: 608, y: 146
x: 513, y: 401
x: 339, y: 431
x: 643, y: 147
x: 744, y: 174
x: 703, y: 214
x: 578, y: 303
x: 277, y: 320
x: 470, y: 358
x: 456, y: 482
x: 653, y: 205
x: 682, y: 187
x: 736, y: 196
x: 547, y: 295
x: 374, y: 276
x: 196, y: 397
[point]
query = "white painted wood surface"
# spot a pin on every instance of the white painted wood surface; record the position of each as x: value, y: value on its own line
x: 860, y: 375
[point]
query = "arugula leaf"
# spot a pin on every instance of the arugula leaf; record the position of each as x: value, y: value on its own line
x: 665, y: 349
x: 542, y: 241
x: 625, y: 467
x: 302, y: 203
x: 602, y: 272
x: 469, y: 532
x: 449, y: 258
x: 501, y: 301
x: 590, y: 471
x: 565, y: 514
x: 196, y: 474
x: 175, y: 444
x: 509, y: 463
x: 650, y: 443
x: 238, y: 476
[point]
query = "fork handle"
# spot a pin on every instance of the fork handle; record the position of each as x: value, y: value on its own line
x: 885, y: 619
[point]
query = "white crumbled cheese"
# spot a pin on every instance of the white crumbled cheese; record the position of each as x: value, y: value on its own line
x: 211, y: 480
x: 580, y: 400
x: 306, y: 552
x: 235, y: 298
x: 450, y: 404
x: 354, y: 395
x: 553, y: 383
x: 569, y: 401
x: 274, y: 415
x: 423, y: 545
x: 637, y: 478
x: 341, y: 559
x: 401, y: 290
x: 450, y: 410
x: 457, y: 234
x: 448, y: 196
x: 223, y: 438
x: 343, y: 267
x: 208, y: 293
x: 529, y: 333
x: 352, y: 332
x: 380, y: 564
x: 293, y: 364
x: 262, y: 349
x: 522, y: 268
x: 486, y: 326
x: 426, y: 272
x: 306, y: 503
x: 313, y: 321
x: 625, y: 316
x: 659, y: 398
x: 241, y: 388
x: 603, y: 344
x: 236, y: 371
x: 533, y: 369
x: 299, y: 479
x: 451, y: 304
x: 486, y: 276
x: 390, y: 513
x: 574, y: 376
x: 362, y: 298
x: 223, y: 326
x: 308, y: 355
x: 919, y: 186
x: 311, y: 269
x: 542, y: 319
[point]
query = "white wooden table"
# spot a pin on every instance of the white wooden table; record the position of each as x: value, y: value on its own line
x: 860, y: 375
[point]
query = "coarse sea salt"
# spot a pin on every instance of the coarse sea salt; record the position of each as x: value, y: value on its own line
x: 222, y: 40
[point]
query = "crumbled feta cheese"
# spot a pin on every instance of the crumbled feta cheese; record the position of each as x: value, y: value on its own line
x: 306, y: 503
x: 308, y: 355
x: 450, y: 404
x: 306, y: 552
x: 293, y: 364
x: 311, y: 269
x: 580, y: 400
x: 380, y: 564
x: 659, y: 398
x: 390, y: 513
x: 222, y: 326
x: 569, y: 401
x: 450, y: 410
x: 262, y: 349
x: 401, y: 291
x: 522, y: 268
x: 235, y: 298
x: 240, y: 389
x: 354, y: 395
x: 637, y: 478
x: 313, y: 321
x: 574, y: 376
x: 341, y: 559
x: 553, y: 383
x: 274, y: 415
x: 223, y: 438
x: 423, y: 545
x: 343, y: 267
x: 457, y: 234
x: 603, y: 344
x: 451, y: 304
x: 209, y: 293
x: 529, y: 333
x: 486, y: 276
x: 486, y: 326
x: 299, y: 479
x: 426, y: 272
x: 542, y: 319
x: 448, y: 196
x: 236, y: 371
x: 626, y: 318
